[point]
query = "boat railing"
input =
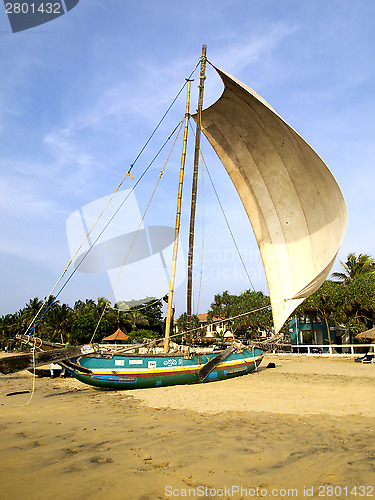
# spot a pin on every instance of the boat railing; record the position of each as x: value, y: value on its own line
x: 142, y: 349
x: 332, y: 349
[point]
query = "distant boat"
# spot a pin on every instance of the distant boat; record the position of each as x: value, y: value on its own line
x: 298, y: 216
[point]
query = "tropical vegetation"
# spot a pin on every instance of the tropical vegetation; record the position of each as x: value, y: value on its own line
x: 238, y: 307
x: 348, y: 299
x: 80, y: 324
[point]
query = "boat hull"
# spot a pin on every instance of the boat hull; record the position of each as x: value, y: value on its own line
x: 137, y: 371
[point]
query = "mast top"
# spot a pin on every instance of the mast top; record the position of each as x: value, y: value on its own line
x: 194, y: 192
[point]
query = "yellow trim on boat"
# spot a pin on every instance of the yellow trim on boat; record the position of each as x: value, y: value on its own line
x: 174, y: 368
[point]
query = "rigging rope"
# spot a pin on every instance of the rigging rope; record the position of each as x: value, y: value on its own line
x: 72, y: 259
x: 198, y: 328
x: 187, y: 332
x: 137, y: 231
x: 201, y: 271
x: 228, y: 319
x: 33, y: 376
x: 226, y: 220
x: 229, y: 228
x: 165, y: 114
x: 30, y: 327
x: 100, y: 234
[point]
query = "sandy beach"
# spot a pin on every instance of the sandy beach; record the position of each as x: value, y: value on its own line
x: 304, y: 428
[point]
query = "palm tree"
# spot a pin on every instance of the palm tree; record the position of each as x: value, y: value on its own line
x: 30, y: 311
x: 355, y: 266
x: 59, y: 323
x: 324, y: 304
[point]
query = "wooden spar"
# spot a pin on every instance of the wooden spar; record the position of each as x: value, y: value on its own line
x: 177, y: 226
x: 12, y: 364
x: 194, y: 191
x: 212, y: 363
x: 41, y: 345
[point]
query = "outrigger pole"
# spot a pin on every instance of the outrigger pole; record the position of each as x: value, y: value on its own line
x: 194, y: 190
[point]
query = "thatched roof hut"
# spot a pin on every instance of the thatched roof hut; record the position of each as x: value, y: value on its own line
x: 368, y: 334
x: 118, y: 336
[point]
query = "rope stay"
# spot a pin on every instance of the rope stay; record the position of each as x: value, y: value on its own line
x: 203, y: 241
x: 97, y: 238
x: 226, y: 220
x: 137, y: 231
x: 229, y: 228
x: 30, y: 327
x: 188, y: 332
x: 75, y: 254
x: 165, y: 114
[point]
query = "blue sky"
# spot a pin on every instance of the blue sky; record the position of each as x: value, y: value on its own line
x: 80, y: 95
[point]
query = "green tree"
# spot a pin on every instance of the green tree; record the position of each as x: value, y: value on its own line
x: 10, y: 326
x: 354, y: 267
x: 182, y: 321
x: 85, y: 328
x: 358, y: 304
x: 86, y: 325
x: 325, y: 303
x: 153, y: 312
x: 30, y: 311
x: 142, y: 333
x: 358, y: 279
x: 58, y: 323
x: 146, y: 315
x: 250, y: 312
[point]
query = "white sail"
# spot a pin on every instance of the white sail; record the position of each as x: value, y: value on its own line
x: 293, y: 202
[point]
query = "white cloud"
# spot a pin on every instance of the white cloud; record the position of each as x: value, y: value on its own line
x: 21, y: 195
x: 241, y: 51
x: 61, y: 144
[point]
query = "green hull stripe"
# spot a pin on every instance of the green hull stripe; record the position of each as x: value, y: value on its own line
x: 115, y: 381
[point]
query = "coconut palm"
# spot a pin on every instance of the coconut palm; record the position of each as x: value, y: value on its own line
x: 354, y: 267
x: 29, y: 312
x: 58, y: 323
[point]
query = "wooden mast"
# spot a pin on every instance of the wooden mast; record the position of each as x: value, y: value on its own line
x: 177, y: 226
x: 194, y: 191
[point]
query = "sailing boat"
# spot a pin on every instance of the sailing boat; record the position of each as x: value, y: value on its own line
x: 298, y: 215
